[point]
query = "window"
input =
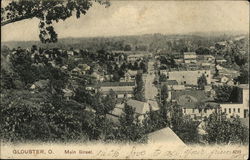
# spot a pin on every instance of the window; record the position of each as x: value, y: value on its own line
x: 205, y: 72
x: 238, y: 110
x: 229, y: 110
x: 225, y: 110
x: 183, y: 76
x: 207, y: 75
x: 234, y: 109
x: 185, y: 82
x: 193, y: 110
x: 184, y: 110
x: 205, y: 111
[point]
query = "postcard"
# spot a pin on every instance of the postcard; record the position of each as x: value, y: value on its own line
x: 100, y: 79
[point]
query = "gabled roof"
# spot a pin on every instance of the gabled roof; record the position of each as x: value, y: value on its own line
x: 140, y: 107
x: 190, y: 98
x: 165, y: 136
x: 187, y: 53
x: 106, y: 84
x: 244, y: 86
x: 132, y: 73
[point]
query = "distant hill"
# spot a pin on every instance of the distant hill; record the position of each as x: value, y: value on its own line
x: 151, y: 41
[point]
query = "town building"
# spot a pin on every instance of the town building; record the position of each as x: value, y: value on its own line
x: 173, y: 85
x: 141, y: 109
x: 189, y: 57
x: 129, y: 76
x: 135, y: 57
x: 193, y: 103
x: 189, y: 77
x: 238, y: 109
x: 122, y: 89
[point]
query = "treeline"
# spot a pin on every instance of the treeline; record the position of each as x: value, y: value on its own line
x: 150, y: 42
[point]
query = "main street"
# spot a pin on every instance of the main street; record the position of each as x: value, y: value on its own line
x: 150, y: 89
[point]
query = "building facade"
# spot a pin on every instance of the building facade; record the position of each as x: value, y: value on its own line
x: 187, y: 77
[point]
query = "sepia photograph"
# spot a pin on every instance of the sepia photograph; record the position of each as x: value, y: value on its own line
x: 124, y: 79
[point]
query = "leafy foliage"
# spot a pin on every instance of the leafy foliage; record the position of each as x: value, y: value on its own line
x: 130, y: 128
x: 202, y: 82
x: 47, y: 12
x: 222, y: 130
x: 139, y: 89
x: 183, y: 126
x: 226, y: 93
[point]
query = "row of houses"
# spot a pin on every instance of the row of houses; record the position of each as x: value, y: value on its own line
x: 122, y: 89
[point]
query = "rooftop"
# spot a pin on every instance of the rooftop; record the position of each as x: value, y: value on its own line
x: 140, y: 107
x: 166, y: 136
x: 113, y: 84
x: 190, y: 98
x: 188, y: 53
x: 244, y: 86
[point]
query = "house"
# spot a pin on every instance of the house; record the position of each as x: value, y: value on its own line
x: 70, y: 53
x: 191, y: 100
x: 165, y: 136
x: 41, y: 84
x: 189, y: 57
x: 208, y: 58
x: 68, y: 93
x: 178, y: 60
x: 227, y: 72
x: 188, y: 77
x: 98, y: 76
x: 80, y: 69
x: 220, y: 59
x: 77, y: 71
x: 221, y: 45
x: 238, y: 109
x: 129, y: 76
x: 141, y: 109
x: 135, y: 57
x: 224, y: 79
x: 122, y: 89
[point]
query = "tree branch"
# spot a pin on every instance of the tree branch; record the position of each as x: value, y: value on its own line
x: 16, y: 19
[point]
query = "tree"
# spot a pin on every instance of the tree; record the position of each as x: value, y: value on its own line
x: 202, y: 51
x: 164, y: 93
x: 109, y: 101
x: 21, y: 63
x: 222, y: 130
x: 143, y: 66
x: 139, y: 88
x: 130, y: 129
x: 183, y: 126
x: 47, y: 12
x: 202, y: 82
x: 226, y: 93
x: 244, y: 75
x: 127, y: 47
x: 163, y: 78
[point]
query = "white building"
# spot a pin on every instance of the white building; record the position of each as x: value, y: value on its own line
x: 122, y: 89
x: 141, y: 109
x: 240, y: 109
x: 187, y: 77
x: 190, y: 57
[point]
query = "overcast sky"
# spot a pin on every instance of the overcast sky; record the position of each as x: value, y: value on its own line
x: 142, y: 17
